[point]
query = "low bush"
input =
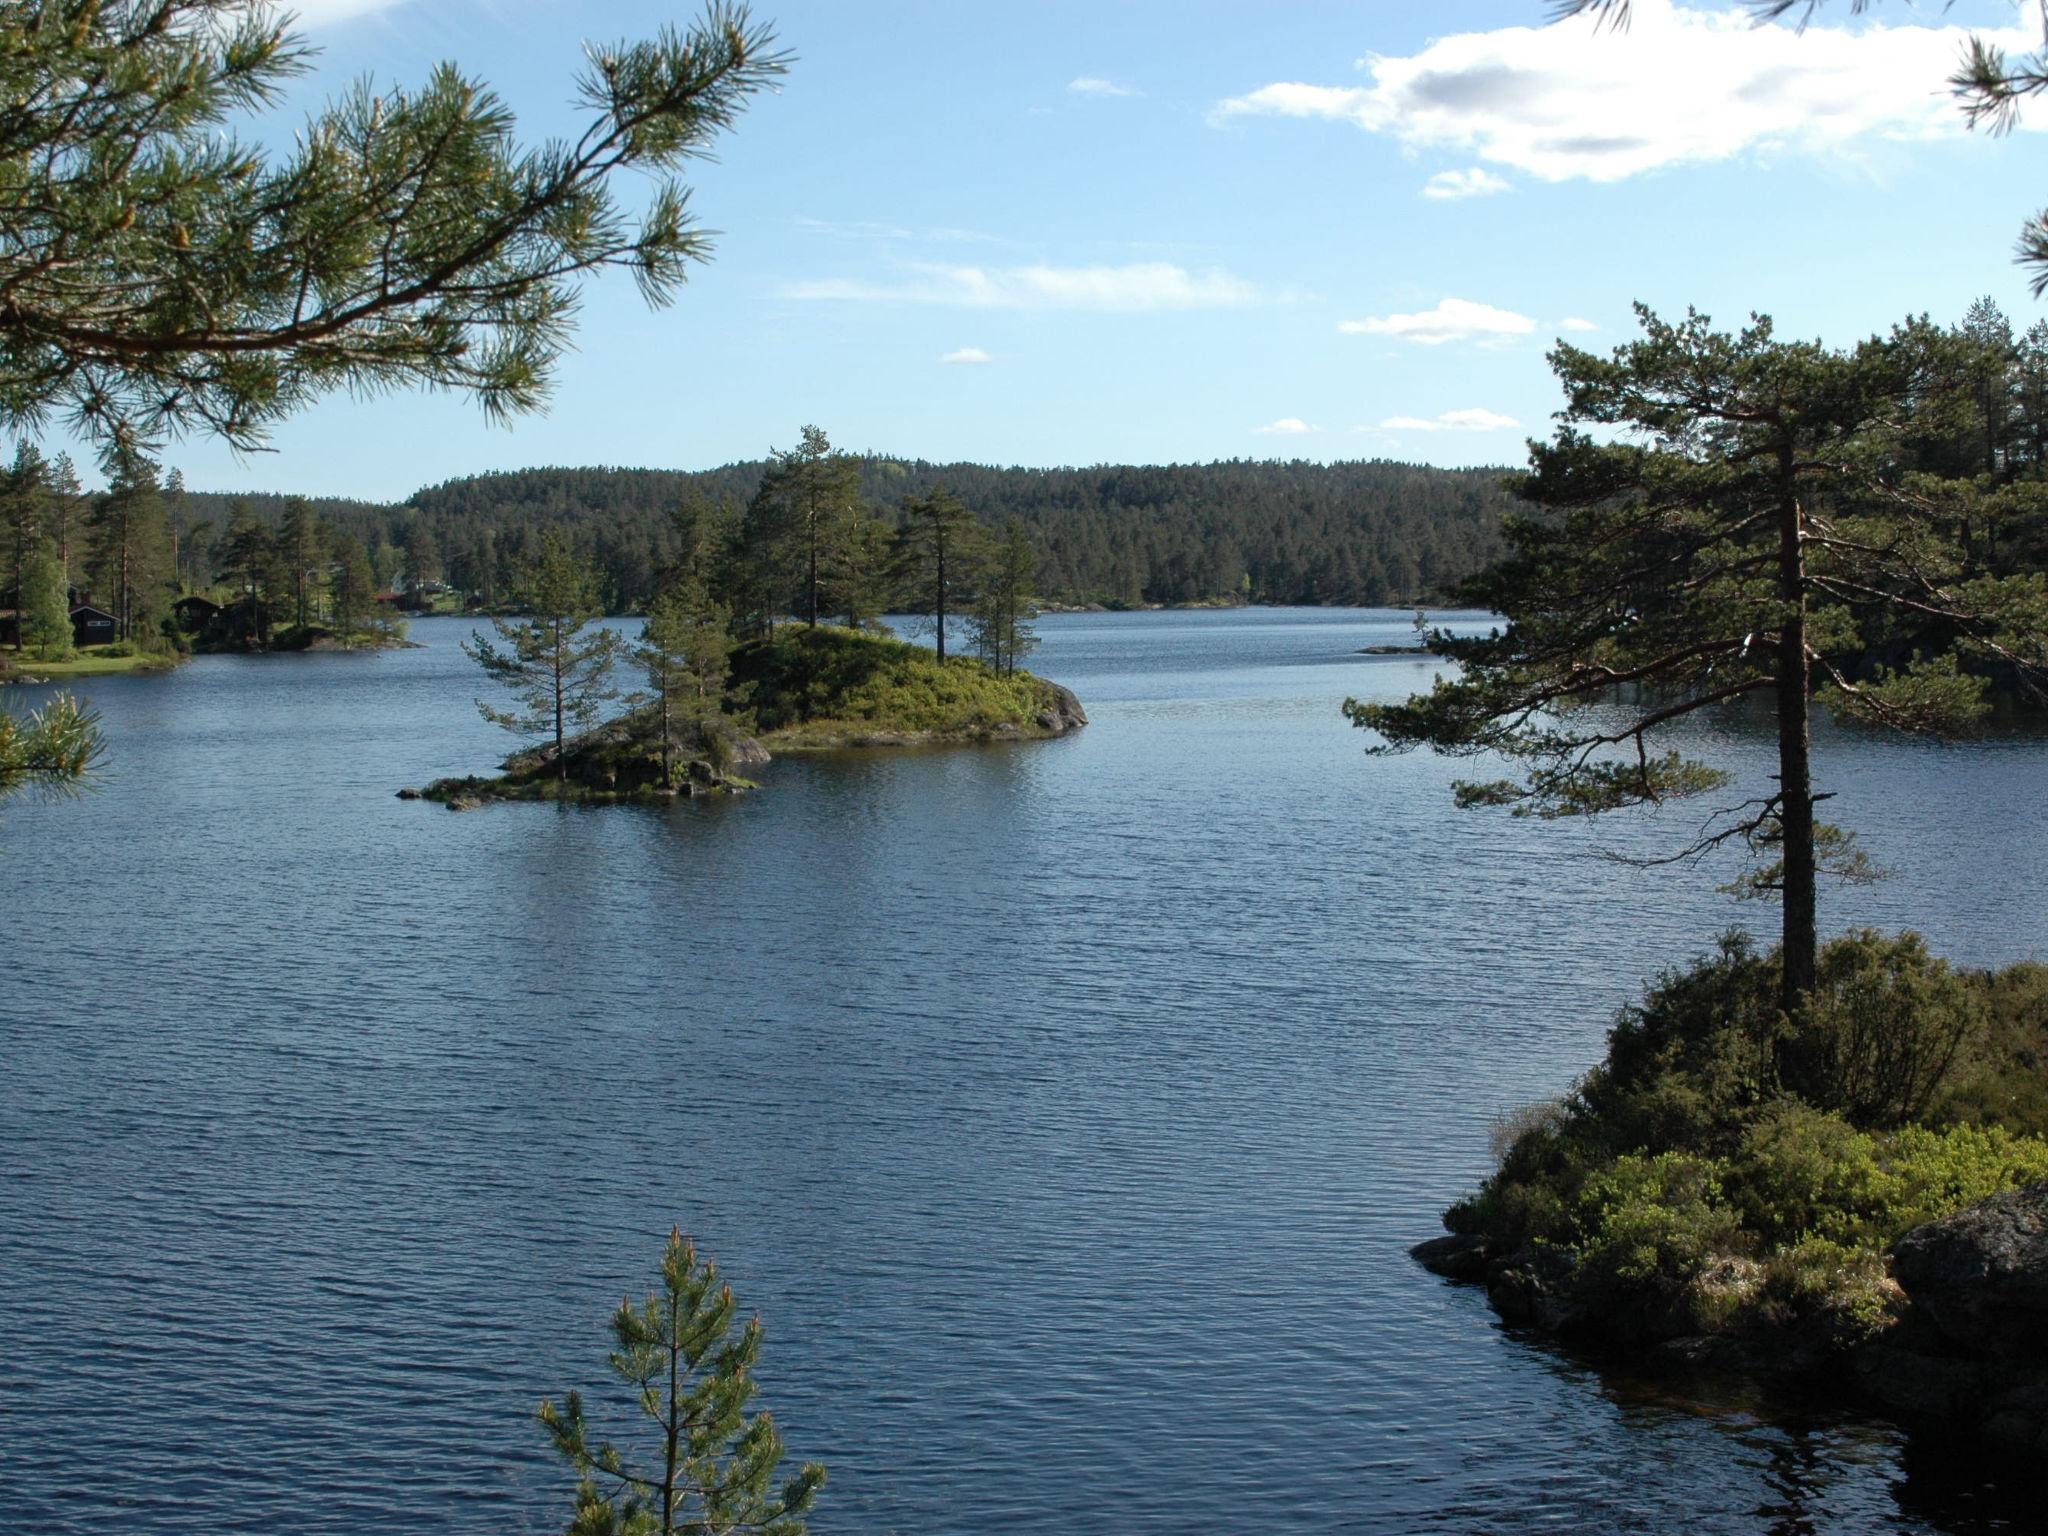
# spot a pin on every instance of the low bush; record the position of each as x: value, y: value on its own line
x: 1727, y: 1165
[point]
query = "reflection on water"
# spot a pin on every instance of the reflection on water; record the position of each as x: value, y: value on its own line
x: 1066, y: 1109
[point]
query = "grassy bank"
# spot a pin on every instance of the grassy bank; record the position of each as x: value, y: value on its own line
x: 835, y: 687
x: 92, y: 661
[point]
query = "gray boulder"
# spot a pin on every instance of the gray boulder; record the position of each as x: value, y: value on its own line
x: 1062, y: 712
x: 1981, y: 1275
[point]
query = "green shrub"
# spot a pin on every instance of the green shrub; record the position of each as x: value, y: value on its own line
x: 2001, y: 1076
x: 1819, y: 1278
x: 1725, y: 1163
x: 1654, y: 1221
x: 1886, y: 1024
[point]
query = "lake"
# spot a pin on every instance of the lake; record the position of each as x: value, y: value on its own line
x: 1066, y: 1109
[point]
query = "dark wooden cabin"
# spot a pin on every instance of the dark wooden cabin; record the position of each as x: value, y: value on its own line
x: 93, y: 626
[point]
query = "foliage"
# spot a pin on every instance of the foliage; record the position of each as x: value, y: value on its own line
x: 832, y: 683
x: 557, y: 666
x: 800, y: 535
x: 54, y: 749
x: 164, y: 275
x: 937, y: 547
x: 45, y: 619
x: 1695, y: 1188
x: 1755, y: 529
x: 999, y: 625
x: 1120, y: 535
x: 713, y: 1466
x: 685, y: 652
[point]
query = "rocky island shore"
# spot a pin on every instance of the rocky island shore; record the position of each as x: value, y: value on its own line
x: 1852, y: 1201
x: 800, y: 690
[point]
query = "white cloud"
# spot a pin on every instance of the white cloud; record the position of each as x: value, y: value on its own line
x: 320, y: 13
x: 1472, y: 419
x: 1093, y: 85
x: 968, y: 355
x: 1286, y: 426
x: 1476, y: 182
x: 1451, y: 320
x: 1574, y: 323
x: 1678, y: 85
x: 1144, y: 285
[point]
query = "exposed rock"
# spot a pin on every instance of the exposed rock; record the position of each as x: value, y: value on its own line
x: 1920, y: 1385
x: 1063, y: 711
x: 408, y: 794
x: 1460, y: 1256
x: 1981, y: 1275
x: 1535, y: 1286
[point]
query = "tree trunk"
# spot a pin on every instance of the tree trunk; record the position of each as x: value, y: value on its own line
x: 942, y: 599
x: 561, y: 752
x: 1795, y: 754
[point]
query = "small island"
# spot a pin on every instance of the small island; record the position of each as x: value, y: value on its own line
x: 805, y: 690
x: 1855, y: 1201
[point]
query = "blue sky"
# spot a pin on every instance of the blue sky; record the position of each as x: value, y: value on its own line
x: 1147, y: 232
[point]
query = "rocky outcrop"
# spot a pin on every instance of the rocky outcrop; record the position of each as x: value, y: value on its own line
x: 1062, y: 711
x: 1981, y: 1275
x: 1963, y: 1344
x: 1973, y: 1349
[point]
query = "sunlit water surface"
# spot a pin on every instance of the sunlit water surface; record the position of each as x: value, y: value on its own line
x: 1065, y: 1109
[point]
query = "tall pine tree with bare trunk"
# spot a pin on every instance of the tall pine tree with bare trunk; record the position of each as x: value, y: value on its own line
x: 1742, y: 526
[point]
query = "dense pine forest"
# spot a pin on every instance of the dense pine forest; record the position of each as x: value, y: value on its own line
x: 1120, y: 535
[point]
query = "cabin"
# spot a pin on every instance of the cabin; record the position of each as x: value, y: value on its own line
x: 193, y: 614
x: 93, y: 626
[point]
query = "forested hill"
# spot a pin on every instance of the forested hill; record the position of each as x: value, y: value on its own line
x: 1368, y: 532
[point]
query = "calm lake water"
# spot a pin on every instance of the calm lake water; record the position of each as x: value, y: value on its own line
x: 1066, y: 1109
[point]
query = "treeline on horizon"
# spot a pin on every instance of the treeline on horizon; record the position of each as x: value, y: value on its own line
x: 1368, y: 532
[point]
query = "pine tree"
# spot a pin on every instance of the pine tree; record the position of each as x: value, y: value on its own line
x: 422, y: 563
x: 25, y: 504
x: 249, y: 561
x: 560, y: 674
x: 164, y: 274
x: 64, y: 512
x: 302, y: 551
x: 940, y: 543
x: 45, y: 618
x: 53, y: 749
x: 801, y: 521
x: 685, y: 650
x: 714, y: 1463
x: 131, y: 558
x: 1753, y: 529
x: 354, y: 588
x: 1000, y: 627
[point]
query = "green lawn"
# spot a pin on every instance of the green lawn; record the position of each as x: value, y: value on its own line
x: 92, y: 661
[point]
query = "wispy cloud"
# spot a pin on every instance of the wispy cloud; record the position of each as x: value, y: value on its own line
x: 320, y: 13
x: 866, y: 229
x: 1574, y: 323
x: 1095, y: 85
x: 970, y: 356
x: 1451, y: 320
x: 1477, y: 182
x: 1472, y: 419
x: 1680, y: 84
x: 1139, y: 286
x: 1286, y: 426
